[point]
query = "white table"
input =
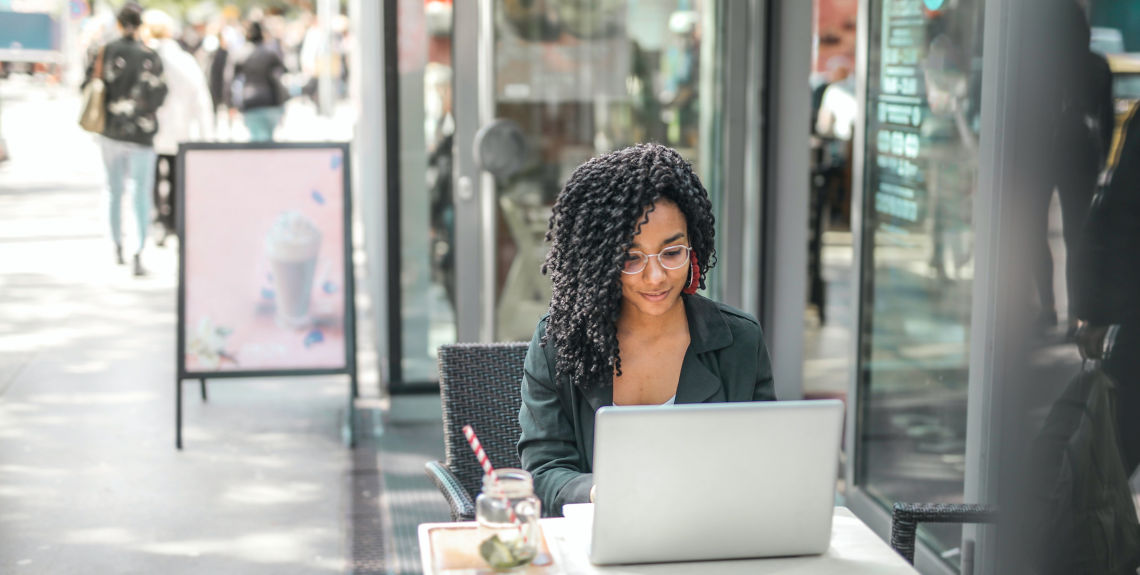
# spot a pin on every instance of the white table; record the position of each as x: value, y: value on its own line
x: 855, y: 549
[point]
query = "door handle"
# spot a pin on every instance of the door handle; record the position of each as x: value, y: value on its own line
x: 464, y: 190
x: 500, y: 148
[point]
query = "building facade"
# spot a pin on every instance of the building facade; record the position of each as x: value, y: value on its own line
x: 891, y: 180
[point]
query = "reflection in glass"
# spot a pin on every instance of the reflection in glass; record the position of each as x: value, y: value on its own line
x: 582, y: 78
x: 427, y: 270
x: 922, y: 123
x: 1108, y: 282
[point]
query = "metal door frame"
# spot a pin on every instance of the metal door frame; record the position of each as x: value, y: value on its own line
x: 472, y: 47
x: 783, y: 231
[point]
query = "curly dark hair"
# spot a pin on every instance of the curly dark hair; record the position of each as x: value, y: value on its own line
x: 603, y: 206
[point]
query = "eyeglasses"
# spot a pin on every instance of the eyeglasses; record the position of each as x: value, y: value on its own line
x: 670, y: 258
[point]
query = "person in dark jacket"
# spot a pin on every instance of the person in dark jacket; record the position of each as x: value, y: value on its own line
x: 1085, y: 140
x: 1081, y: 126
x: 134, y: 92
x: 631, y: 241
x: 1086, y: 507
x: 1109, y: 293
x: 218, y: 75
x: 258, y: 91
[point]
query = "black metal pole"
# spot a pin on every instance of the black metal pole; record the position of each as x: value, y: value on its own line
x: 392, y: 169
x: 202, y: 383
x: 350, y: 415
x: 178, y: 414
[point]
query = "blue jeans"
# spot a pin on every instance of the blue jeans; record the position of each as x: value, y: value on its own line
x: 261, y: 122
x: 125, y: 160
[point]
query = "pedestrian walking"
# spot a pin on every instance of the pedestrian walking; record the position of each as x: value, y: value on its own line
x: 257, y: 88
x: 134, y: 91
x: 185, y: 116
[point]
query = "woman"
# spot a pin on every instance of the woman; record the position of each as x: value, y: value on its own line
x: 186, y: 115
x: 135, y: 90
x: 631, y: 240
x: 257, y: 89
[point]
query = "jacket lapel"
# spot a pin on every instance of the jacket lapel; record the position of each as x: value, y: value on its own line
x: 599, y: 396
x: 707, y: 332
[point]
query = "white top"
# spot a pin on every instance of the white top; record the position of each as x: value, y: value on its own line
x: 187, y: 113
x: 669, y: 401
x: 838, y: 111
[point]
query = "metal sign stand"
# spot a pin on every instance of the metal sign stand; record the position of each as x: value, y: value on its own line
x: 348, y: 429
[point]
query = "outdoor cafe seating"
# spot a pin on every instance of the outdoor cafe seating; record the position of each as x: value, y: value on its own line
x: 479, y: 386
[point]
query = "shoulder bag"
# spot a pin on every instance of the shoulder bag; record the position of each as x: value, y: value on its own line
x: 93, y: 118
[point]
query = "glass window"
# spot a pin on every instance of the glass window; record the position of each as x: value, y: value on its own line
x: 922, y: 120
x: 582, y: 78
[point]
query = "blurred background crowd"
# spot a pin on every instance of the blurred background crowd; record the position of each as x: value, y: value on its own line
x: 216, y: 34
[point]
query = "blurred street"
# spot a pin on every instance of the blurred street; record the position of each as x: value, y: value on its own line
x: 90, y: 481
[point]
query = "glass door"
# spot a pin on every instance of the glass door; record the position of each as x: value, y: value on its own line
x: 540, y: 87
x: 920, y: 156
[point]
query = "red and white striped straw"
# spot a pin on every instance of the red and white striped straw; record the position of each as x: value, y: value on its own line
x: 477, y: 447
x: 479, y: 453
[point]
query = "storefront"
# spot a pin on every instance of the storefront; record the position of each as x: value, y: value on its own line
x: 490, y: 105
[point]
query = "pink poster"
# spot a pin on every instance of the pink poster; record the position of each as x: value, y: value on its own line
x: 264, y: 259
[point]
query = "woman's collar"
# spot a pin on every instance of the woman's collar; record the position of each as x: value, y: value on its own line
x: 707, y: 329
x: 707, y: 332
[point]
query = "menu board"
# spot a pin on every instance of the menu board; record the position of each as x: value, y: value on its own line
x: 897, y: 172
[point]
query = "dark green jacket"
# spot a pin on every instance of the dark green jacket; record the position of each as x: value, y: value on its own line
x: 726, y: 361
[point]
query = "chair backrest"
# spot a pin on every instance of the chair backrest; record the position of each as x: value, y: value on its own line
x: 479, y: 385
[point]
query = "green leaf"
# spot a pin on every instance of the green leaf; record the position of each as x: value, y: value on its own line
x: 498, y: 554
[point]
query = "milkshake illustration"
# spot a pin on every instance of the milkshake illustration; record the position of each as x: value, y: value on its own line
x: 292, y: 246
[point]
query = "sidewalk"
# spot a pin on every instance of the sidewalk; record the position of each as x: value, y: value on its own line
x: 90, y: 481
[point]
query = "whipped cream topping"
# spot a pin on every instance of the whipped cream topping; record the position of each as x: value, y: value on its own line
x: 293, y: 237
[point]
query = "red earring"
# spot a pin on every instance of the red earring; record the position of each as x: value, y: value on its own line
x: 694, y: 276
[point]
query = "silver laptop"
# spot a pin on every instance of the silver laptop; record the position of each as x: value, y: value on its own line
x: 714, y: 481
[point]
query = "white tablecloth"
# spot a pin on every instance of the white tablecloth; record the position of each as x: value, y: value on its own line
x: 855, y: 550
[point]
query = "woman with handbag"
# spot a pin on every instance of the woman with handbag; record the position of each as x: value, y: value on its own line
x: 123, y: 91
x: 257, y: 88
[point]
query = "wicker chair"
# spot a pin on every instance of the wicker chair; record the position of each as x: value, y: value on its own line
x: 479, y: 386
x: 907, y: 516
